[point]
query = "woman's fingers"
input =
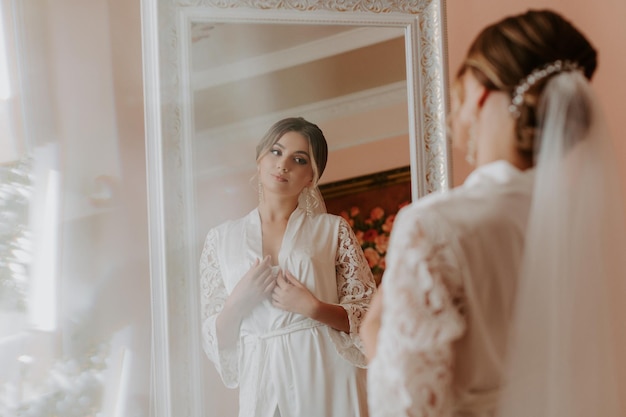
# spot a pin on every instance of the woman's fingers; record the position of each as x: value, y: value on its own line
x: 260, y: 265
x: 262, y: 272
x: 269, y: 290
x: 292, y: 280
x: 281, y: 281
x: 269, y: 284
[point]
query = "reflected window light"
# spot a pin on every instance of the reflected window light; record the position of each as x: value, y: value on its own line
x: 46, y: 211
x: 10, y: 93
x: 5, y: 78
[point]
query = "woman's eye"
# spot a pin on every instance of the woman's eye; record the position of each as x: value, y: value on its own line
x: 300, y: 161
x: 276, y: 152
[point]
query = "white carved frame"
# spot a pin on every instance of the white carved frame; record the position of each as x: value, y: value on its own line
x: 177, y: 381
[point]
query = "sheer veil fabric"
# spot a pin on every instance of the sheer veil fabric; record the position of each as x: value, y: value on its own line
x: 312, y: 201
x: 568, y: 341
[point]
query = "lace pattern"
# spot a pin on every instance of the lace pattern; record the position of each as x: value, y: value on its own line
x: 213, y: 296
x: 355, y: 286
x: 412, y: 372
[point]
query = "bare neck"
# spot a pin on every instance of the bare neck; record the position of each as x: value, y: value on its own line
x: 275, y: 210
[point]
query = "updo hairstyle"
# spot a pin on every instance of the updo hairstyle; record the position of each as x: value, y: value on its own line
x: 507, y: 51
x: 318, y: 148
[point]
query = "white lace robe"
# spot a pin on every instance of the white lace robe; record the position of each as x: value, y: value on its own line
x: 284, y: 360
x: 448, y: 291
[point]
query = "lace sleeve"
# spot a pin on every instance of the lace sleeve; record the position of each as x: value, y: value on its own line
x: 355, y: 286
x: 213, y: 296
x: 411, y: 373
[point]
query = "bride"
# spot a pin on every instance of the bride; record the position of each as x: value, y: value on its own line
x: 500, y: 297
x: 285, y: 288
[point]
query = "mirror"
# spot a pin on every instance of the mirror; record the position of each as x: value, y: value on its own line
x: 350, y: 80
x: 217, y: 75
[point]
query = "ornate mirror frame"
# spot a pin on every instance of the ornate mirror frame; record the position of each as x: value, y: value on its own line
x: 177, y: 353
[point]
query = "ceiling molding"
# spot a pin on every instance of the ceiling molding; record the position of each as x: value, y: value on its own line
x: 307, y: 52
x: 335, y: 108
x: 238, y: 135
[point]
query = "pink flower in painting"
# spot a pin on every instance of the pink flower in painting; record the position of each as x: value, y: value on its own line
x: 370, y: 235
x: 347, y: 217
x: 377, y: 213
x: 359, y: 236
x: 388, y: 223
x: 381, y: 242
x: 373, y: 258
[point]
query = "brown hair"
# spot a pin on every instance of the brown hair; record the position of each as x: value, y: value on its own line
x: 318, y: 148
x: 507, y: 51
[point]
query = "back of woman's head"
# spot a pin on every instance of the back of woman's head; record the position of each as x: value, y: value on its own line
x: 507, y: 51
x: 312, y: 133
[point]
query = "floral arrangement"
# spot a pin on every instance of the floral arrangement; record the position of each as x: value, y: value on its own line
x: 373, y: 235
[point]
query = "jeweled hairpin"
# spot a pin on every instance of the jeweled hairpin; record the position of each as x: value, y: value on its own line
x: 536, y: 75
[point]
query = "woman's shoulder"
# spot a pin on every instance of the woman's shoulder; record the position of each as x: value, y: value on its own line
x: 446, y: 203
x: 432, y: 210
x: 325, y: 218
x: 328, y: 217
x: 465, y: 208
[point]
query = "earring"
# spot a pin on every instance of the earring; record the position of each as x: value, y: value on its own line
x: 260, y: 191
x: 470, y: 155
x: 308, y: 202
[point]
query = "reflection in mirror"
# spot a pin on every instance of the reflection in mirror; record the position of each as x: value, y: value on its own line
x: 351, y: 81
x: 217, y: 77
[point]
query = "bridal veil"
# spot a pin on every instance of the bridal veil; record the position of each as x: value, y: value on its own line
x: 568, y: 342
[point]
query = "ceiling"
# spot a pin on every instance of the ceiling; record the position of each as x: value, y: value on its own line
x: 246, y: 76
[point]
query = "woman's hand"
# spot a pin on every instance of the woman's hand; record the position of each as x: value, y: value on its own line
x: 254, y: 287
x: 371, y: 325
x: 291, y: 295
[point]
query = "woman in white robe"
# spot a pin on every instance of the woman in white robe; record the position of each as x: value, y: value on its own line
x: 499, y: 296
x: 284, y: 290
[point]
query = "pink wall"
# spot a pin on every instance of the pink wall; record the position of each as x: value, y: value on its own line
x: 602, y: 21
x: 375, y: 156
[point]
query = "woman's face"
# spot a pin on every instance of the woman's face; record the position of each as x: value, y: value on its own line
x: 287, y: 168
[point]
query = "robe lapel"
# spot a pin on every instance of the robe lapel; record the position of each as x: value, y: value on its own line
x: 293, y: 230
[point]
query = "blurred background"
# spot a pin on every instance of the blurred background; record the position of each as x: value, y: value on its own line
x: 74, y: 278
x: 74, y: 240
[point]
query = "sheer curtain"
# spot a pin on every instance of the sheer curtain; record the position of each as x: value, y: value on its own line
x: 74, y: 278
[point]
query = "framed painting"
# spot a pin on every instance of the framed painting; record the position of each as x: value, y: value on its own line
x: 369, y: 203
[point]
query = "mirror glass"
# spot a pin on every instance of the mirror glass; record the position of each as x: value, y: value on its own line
x: 217, y: 76
x: 350, y: 80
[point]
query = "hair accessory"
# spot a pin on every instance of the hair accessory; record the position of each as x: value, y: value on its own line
x: 535, y: 76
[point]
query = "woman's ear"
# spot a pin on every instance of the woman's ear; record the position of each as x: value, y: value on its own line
x: 483, y: 96
x: 474, y: 94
